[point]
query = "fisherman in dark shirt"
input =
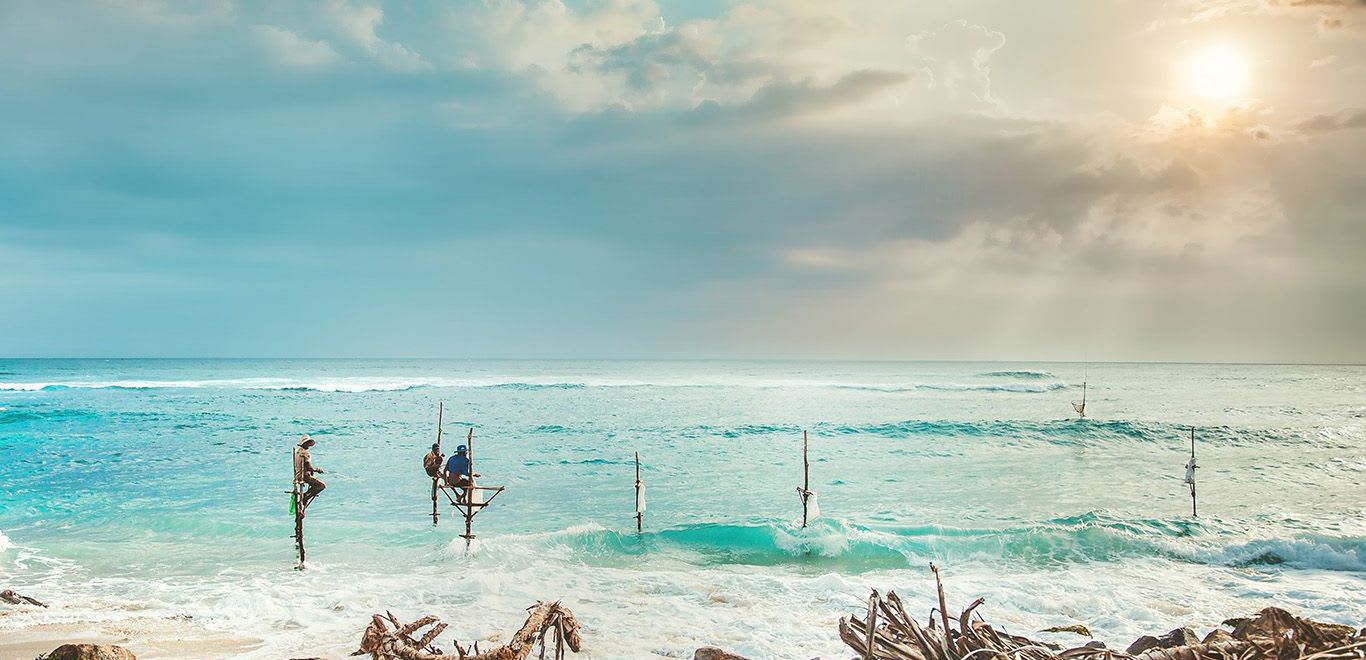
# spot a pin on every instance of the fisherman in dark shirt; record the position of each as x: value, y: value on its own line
x: 458, y: 475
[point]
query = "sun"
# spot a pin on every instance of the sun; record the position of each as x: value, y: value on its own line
x: 1219, y: 73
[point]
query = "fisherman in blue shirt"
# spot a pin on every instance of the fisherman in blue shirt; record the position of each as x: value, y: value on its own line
x: 458, y: 469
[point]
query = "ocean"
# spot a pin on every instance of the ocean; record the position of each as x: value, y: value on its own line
x: 144, y: 491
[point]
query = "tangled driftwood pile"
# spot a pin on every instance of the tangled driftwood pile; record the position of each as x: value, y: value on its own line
x: 887, y: 632
x: 543, y: 619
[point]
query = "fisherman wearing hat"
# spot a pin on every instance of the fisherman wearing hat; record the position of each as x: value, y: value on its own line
x: 304, y: 471
x: 458, y: 469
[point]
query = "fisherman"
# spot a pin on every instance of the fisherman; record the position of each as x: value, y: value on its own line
x: 432, y: 461
x: 458, y: 473
x: 304, y: 471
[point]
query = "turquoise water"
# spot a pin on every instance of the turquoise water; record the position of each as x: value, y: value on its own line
x: 140, y: 490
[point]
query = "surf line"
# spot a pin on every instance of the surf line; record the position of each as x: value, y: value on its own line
x: 456, y: 479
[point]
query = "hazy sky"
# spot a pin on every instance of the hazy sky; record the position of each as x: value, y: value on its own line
x: 1089, y: 180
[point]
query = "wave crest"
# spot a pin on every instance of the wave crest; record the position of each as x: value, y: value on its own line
x: 1020, y: 373
x: 834, y: 544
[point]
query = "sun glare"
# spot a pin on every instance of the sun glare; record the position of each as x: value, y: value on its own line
x: 1219, y: 73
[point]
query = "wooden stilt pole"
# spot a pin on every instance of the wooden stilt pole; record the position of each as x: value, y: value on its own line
x: 440, y: 414
x: 1192, y: 474
x: 469, y: 490
x: 299, y: 525
x: 640, y: 514
x: 806, y: 478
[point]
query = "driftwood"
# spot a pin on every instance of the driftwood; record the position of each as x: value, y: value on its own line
x: 887, y: 632
x: 543, y: 619
x: 9, y: 596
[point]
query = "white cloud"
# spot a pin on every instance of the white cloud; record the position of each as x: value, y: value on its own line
x: 959, y: 58
x: 623, y: 54
x: 289, y: 49
x: 360, y: 24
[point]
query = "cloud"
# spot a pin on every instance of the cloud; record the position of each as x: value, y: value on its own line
x: 290, y: 50
x: 360, y: 23
x: 1323, y: 61
x: 959, y: 59
x: 623, y: 55
x: 177, y: 15
x: 1345, y: 119
x: 669, y: 182
x: 783, y: 100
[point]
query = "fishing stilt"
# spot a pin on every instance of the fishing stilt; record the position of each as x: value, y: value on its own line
x: 471, y: 498
x: 809, y: 510
x: 1191, y: 467
x: 436, y: 474
x: 640, y: 497
x: 306, y: 486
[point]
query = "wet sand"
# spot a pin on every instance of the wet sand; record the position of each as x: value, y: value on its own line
x: 150, y: 638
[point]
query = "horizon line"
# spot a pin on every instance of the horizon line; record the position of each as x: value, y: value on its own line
x: 697, y: 359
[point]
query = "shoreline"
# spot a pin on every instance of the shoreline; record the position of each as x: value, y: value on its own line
x: 146, y: 638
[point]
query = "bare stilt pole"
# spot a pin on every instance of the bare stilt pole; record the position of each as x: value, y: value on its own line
x: 640, y: 501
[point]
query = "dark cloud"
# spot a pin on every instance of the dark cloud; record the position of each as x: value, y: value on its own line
x: 787, y: 99
x: 1345, y: 119
x: 1343, y: 4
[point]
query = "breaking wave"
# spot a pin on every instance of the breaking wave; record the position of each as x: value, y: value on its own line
x: 1022, y: 373
x: 1021, y: 388
x: 1070, y: 432
x: 832, y: 544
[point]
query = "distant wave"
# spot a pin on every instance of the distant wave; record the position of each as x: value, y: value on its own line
x: 349, y: 385
x: 835, y: 544
x: 358, y: 384
x: 1023, y: 373
x: 1066, y: 432
x: 1023, y: 388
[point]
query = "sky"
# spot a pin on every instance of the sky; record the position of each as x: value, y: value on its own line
x: 1091, y: 180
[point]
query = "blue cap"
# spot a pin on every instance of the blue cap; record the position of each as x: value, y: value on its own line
x: 460, y: 449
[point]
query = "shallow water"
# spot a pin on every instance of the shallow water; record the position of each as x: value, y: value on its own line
x: 159, y: 488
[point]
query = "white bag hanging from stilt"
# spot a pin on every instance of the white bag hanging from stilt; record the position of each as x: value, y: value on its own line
x: 1190, y: 470
x: 640, y: 497
x: 812, y: 508
x: 476, y: 495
